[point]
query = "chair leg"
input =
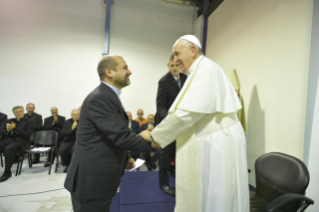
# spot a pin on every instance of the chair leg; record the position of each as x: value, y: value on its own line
x: 1, y: 160
x: 21, y: 164
x: 18, y: 165
x: 57, y: 160
x: 52, y: 156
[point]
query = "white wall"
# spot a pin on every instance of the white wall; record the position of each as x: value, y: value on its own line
x: 49, y: 50
x: 268, y: 43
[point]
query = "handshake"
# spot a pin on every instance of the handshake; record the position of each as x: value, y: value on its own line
x: 146, y: 134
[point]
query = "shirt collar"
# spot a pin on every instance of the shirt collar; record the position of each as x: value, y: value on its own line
x: 176, y: 78
x: 195, y: 64
x: 117, y: 91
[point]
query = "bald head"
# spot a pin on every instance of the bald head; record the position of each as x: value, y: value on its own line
x: 114, y: 71
x: 54, y: 111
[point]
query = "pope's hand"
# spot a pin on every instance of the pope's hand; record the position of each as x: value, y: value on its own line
x: 146, y: 135
x: 130, y: 163
x: 156, y: 145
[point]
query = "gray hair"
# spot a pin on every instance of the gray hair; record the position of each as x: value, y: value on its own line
x: 17, y: 107
x: 106, y: 62
x: 30, y: 103
x: 188, y: 45
x: 74, y: 110
x: 170, y: 58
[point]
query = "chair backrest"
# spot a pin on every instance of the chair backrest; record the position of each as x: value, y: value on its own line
x: 47, y: 137
x: 278, y: 174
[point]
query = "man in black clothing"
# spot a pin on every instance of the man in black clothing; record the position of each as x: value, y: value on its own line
x: 17, y: 138
x: 56, y: 123
x: 38, y: 122
x: 102, y: 141
x: 69, y: 131
x: 3, y: 122
x: 168, y: 88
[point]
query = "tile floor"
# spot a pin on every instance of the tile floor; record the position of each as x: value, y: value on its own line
x: 36, y: 191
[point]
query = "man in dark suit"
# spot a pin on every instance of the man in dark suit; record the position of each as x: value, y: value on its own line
x: 3, y: 122
x: 103, y: 139
x: 150, y: 162
x: 38, y: 122
x: 168, y: 88
x: 56, y: 123
x: 69, y: 131
x: 18, y: 131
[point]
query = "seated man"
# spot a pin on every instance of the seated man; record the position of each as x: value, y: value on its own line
x: 135, y: 127
x: 3, y: 122
x: 69, y: 131
x: 17, y: 138
x: 150, y: 162
x: 140, y: 118
x: 54, y: 122
x: 38, y: 122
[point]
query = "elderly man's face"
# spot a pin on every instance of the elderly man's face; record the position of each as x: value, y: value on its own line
x: 121, y: 77
x: 150, y: 119
x: 140, y: 114
x: 75, y: 115
x: 129, y: 115
x: 54, y: 111
x: 174, y: 68
x: 18, y: 113
x: 30, y: 108
x: 182, y: 56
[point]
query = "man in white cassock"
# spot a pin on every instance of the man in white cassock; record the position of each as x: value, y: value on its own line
x: 211, y: 163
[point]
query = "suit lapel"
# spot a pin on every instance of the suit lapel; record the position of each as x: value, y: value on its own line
x: 172, y: 81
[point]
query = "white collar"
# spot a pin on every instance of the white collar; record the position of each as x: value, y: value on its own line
x: 195, y: 64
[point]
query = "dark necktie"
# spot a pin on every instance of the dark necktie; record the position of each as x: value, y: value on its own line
x: 179, y: 83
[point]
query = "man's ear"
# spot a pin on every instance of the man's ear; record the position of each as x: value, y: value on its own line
x: 193, y: 51
x: 108, y: 73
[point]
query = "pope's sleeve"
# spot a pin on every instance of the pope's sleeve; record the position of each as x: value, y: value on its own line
x: 174, y: 125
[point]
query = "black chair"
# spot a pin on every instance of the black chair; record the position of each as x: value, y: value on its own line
x: 20, y: 161
x: 281, y: 182
x: 1, y: 159
x: 44, y: 138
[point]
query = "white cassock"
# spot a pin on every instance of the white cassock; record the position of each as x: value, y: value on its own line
x: 211, y: 162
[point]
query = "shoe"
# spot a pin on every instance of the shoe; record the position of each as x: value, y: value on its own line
x: 66, y: 169
x: 153, y: 166
x: 5, y: 176
x: 47, y: 164
x: 168, y: 190
x: 149, y: 167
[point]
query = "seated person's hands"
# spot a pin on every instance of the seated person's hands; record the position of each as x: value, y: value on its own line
x: 130, y: 163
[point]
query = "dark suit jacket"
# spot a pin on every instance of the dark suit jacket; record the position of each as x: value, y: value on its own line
x: 3, y: 124
x: 22, y: 132
x: 144, y: 127
x: 135, y: 127
x: 166, y: 94
x: 37, y: 119
x: 103, y: 139
x: 57, y: 127
x: 67, y: 129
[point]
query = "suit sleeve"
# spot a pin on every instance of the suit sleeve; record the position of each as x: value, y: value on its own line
x: 47, y: 124
x: 3, y: 128
x: 60, y: 122
x: 136, y: 128
x: 38, y: 123
x: 108, y: 118
x: 26, y: 131
x: 67, y: 129
x: 161, y: 100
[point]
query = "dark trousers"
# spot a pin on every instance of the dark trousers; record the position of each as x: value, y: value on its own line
x: 164, y: 162
x: 9, y: 147
x: 83, y: 205
x: 66, y: 152
x: 135, y: 155
x: 155, y: 157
